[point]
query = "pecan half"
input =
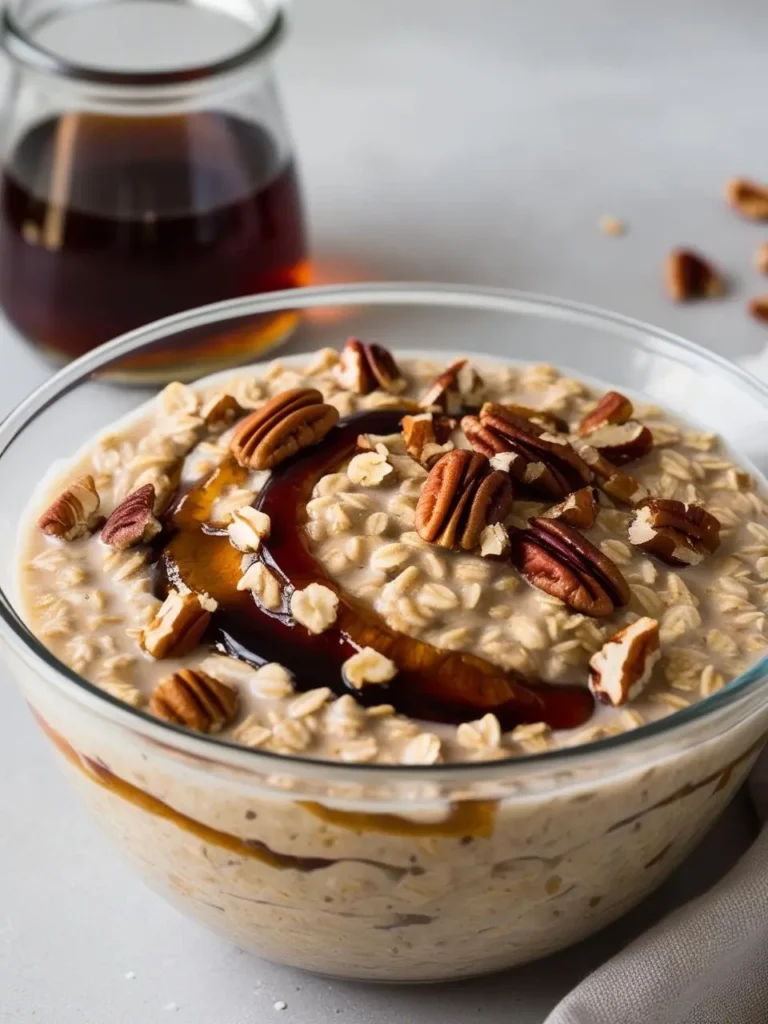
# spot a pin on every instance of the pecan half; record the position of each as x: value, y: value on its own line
x: 178, y: 626
x: 363, y: 367
x: 461, y: 496
x: 579, y: 509
x: 286, y: 424
x: 74, y: 513
x: 761, y: 258
x: 621, y: 443
x: 675, y: 533
x: 613, y: 407
x: 133, y: 521
x: 427, y: 437
x: 457, y: 388
x: 546, y: 463
x: 758, y: 308
x: 612, y: 481
x: 689, y: 276
x: 557, y: 559
x: 748, y: 197
x: 195, y: 699
x: 623, y: 666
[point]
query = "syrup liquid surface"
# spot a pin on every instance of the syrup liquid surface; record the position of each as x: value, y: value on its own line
x: 107, y: 223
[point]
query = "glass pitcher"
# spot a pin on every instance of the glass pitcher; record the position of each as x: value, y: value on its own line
x: 146, y: 169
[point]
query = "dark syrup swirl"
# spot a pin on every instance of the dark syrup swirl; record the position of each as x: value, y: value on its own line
x: 431, y: 684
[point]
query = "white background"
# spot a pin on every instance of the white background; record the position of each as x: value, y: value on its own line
x: 469, y: 142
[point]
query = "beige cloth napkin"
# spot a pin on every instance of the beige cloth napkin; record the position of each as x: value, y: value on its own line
x: 706, y: 963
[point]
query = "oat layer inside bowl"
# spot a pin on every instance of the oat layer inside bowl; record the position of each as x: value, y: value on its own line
x: 400, y: 562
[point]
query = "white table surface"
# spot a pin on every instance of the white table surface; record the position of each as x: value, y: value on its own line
x: 469, y: 142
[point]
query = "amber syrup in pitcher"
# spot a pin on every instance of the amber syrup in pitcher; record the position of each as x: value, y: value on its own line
x: 107, y: 223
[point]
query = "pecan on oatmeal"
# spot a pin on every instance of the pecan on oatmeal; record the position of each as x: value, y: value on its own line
x: 363, y: 367
x: 579, y: 509
x: 178, y: 626
x: 290, y: 421
x: 427, y: 437
x: 617, y: 484
x: 612, y: 408
x: 623, y: 666
x: 462, y: 495
x: 133, y: 521
x: 194, y: 699
x: 560, y: 561
x: 674, y: 532
x: 544, y: 463
x: 74, y: 513
x: 220, y: 412
x: 621, y: 443
x: 457, y: 388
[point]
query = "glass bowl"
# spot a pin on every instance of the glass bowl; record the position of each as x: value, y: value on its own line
x: 378, y: 872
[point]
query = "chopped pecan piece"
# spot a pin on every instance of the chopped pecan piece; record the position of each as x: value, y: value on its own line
x: 195, y: 699
x: 74, y: 513
x: 221, y: 411
x: 457, y: 388
x: 547, y: 464
x: 286, y: 424
x: 427, y: 437
x: 689, y: 276
x: 624, y: 664
x: 178, y: 626
x: 579, y: 509
x: 461, y: 496
x: 547, y: 420
x: 133, y: 521
x: 494, y: 541
x: 558, y: 560
x: 613, y: 407
x: 622, y: 442
x: 758, y: 308
x: 616, y: 484
x: 748, y: 197
x: 677, y: 534
x: 363, y: 367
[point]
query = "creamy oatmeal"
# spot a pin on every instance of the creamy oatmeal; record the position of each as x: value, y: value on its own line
x: 96, y: 598
x: 559, y: 598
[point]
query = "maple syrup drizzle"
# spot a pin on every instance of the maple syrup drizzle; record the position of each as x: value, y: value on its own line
x: 431, y: 684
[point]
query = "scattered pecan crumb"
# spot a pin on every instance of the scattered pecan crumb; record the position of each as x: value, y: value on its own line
x: 689, y: 276
x: 758, y: 308
x: 612, y: 226
x: 750, y: 198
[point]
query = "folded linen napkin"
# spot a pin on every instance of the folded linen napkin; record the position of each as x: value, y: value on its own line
x: 706, y: 963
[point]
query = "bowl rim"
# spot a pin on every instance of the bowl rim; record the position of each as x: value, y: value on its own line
x: 207, y: 747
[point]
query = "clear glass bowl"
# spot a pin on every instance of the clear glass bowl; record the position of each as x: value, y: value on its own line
x: 378, y: 872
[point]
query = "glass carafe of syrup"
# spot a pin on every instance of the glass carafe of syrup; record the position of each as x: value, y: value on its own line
x: 146, y: 169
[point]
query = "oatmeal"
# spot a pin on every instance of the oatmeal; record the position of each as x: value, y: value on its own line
x: 517, y: 564
x: 508, y: 529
